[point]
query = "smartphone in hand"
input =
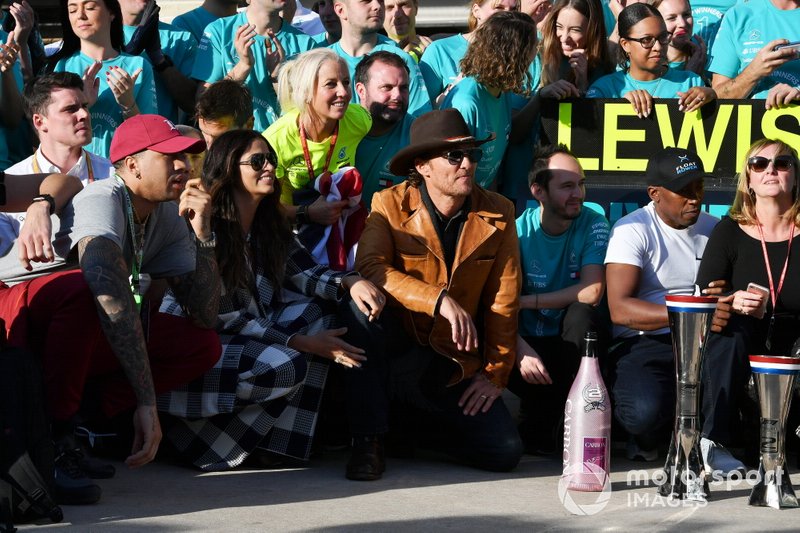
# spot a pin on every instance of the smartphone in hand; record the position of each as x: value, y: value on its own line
x: 755, y: 288
x: 794, y: 45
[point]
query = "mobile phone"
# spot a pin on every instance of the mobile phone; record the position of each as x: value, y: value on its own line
x: 795, y: 45
x: 755, y: 288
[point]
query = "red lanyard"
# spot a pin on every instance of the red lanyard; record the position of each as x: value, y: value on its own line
x: 772, y: 292
x: 311, y: 174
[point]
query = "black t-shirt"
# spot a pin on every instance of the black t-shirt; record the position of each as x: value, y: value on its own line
x: 733, y: 255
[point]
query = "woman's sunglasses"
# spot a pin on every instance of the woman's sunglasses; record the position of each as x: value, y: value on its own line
x: 257, y: 161
x: 454, y: 157
x: 781, y: 163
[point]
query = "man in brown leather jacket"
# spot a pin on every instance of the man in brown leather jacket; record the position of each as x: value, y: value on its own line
x: 445, y: 253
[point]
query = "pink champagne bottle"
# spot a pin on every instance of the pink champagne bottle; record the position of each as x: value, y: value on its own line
x: 587, y: 425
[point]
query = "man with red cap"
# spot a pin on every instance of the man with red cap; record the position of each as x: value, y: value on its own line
x: 95, y: 326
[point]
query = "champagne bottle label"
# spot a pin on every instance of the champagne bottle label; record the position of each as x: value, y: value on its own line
x: 594, y: 451
x: 595, y: 397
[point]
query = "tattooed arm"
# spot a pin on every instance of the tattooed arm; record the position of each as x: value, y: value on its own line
x: 198, y: 292
x: 106, y: 274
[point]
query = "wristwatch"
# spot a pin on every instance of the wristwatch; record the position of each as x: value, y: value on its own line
x: 210, y: 243
x: 46, y: 198
x: 302, y: 215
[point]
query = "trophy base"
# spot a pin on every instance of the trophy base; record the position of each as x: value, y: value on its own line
x: 774, y: 489
x: 684, y: 474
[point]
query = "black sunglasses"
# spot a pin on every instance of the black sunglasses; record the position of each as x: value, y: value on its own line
x: 648, y: 41
x: 454, y: 157
x: 759, y: 164
x: 258, y: 160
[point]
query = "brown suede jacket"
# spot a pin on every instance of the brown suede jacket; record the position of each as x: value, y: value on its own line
x: 400, y: 252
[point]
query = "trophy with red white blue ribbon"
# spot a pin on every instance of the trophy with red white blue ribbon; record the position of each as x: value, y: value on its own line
x: 689, y: 321
x: 774, y: 377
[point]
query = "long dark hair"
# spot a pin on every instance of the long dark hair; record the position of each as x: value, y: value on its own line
x: 595, y: 42
x: 270, y: 234
x: 72, y: 43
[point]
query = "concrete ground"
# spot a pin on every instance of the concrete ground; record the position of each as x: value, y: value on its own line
x: 423, y: 494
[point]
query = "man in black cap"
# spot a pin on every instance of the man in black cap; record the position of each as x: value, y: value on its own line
x: 653, y: 252
x: 445, y: 253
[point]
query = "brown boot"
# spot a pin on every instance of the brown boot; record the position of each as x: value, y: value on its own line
x: 367, y: 460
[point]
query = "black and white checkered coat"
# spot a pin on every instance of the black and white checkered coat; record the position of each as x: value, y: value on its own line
x: 261, y: 393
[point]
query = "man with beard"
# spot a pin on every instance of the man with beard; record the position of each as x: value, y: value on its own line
x: 445, y: 253
x: 382, y: 86
x: 562, y: 248
x: 361, y: 22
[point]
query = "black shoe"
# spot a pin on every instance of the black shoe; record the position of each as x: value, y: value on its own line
x: 367, y: 460
x: 72, y: 486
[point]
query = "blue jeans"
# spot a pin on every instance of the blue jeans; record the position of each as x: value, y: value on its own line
x: 415, y: 378
x: 644, y: 389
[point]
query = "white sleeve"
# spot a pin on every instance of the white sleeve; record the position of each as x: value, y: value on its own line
x: 627, y: 244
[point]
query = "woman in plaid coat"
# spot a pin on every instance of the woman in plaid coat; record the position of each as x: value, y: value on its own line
x: 276, y: 321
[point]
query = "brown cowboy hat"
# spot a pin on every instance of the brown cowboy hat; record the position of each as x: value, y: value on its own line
x: 435, y: 131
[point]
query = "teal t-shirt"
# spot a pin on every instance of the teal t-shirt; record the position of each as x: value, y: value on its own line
x: 618, y: 84
x: 746, y: 29
x: 483, y: 113
x: 216, y: 55
x: 418, y: 101
x: 708, y: 16
x: 513, y: 175
x: 194, y: 21
x: 7, y: 135
x: 373, y: 156
x: 550, y: 263
x: 181, y: 48
x: 106, y: 113
x: 440, y: 63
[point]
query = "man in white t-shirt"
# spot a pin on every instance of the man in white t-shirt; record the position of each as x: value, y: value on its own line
x: 653, y: 252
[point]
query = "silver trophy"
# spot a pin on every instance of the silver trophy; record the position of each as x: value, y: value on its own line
x: 774, y: 377
x: 689, y: 320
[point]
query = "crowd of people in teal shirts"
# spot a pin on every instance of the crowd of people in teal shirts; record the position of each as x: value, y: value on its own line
x: 133, y: 62
x: 304, y: 79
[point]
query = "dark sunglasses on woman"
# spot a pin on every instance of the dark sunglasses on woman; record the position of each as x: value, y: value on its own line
x: 258, y: 161
x: 781, y: 163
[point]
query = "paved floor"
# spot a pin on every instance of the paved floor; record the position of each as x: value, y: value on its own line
x: 422, y: 494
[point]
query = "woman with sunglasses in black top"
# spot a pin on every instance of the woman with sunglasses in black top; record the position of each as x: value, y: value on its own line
x: 276, y: 321
x: 756, y: 244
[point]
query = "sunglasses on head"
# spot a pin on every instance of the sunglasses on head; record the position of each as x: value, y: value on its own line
x: 649, y: 41
x: 759, y: 164
x: 454, y: 157
x: 257, y: 161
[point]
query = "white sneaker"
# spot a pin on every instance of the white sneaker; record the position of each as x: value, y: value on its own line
x: 718, y: 459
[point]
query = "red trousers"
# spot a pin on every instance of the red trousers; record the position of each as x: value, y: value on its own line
x: 56, y: 316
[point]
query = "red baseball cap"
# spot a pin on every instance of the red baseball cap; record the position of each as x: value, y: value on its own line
x: 151, y: 132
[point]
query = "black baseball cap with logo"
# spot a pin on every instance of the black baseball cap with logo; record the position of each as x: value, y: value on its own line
x: 674, y: 169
